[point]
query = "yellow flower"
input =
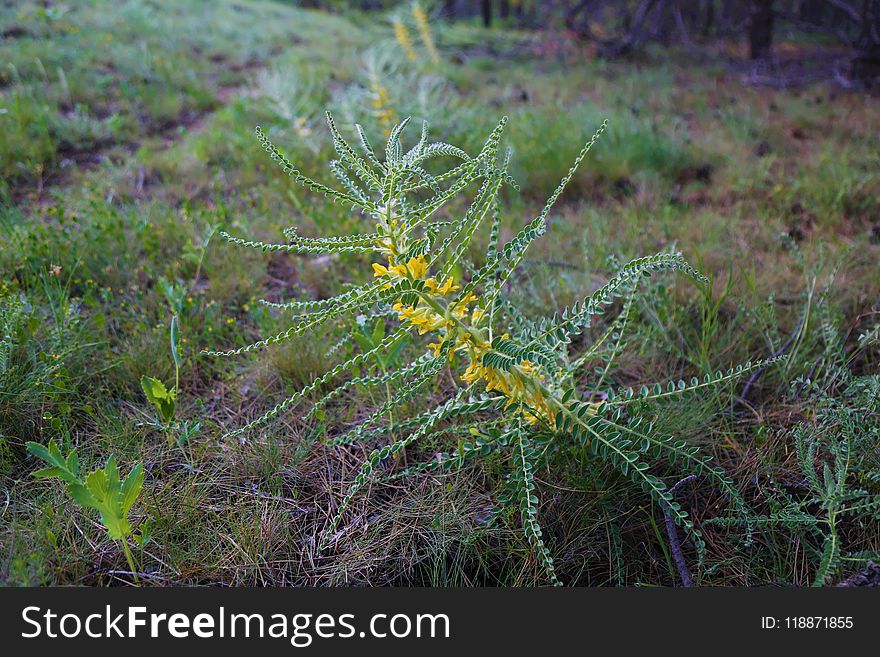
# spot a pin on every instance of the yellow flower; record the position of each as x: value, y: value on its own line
x: 528, y: 367
x: 447, y: 287
x: 403, y: 38
x: 458, y: 322
x: 512, y: 385
x: 398, y: 271
x: 382, y: 104
x: 425, y: 31
x: 417, y: 267
x: 387, y: 247
x: 422, y: 317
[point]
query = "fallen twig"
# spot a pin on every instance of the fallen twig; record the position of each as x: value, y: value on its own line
x: 674, y: 544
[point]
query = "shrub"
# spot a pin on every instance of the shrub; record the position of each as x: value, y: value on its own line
x: 518, y: 393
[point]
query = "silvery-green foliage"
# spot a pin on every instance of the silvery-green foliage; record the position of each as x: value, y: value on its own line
x: 411, y: 91
x: 838, y: 452
x: 527, y: 396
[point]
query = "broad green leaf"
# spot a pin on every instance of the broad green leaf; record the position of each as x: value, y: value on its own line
x: 48, y: 473
x: 40, y: 452
x: 73, y: 463
x: 363, y: 341
x: 98, y: 485
x: 118, y: 527
x: 112, y: 472
x: 166, y: 409
x: 154, y: 389
x: 102, y: 489
x: 131, y: 487
x: 395, y: 349
x: 55, y: 451
x: 65, y: 469
x: 160, y: 397
x: 83, y: 497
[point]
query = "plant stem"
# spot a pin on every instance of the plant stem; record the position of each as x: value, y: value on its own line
x: 130, y: 560
x: 388, y: 398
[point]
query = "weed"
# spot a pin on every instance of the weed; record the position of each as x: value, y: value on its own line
x: 101, y: 490
x: 521, y: 372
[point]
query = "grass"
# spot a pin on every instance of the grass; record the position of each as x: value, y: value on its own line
x: 79, y: 79
x: 126, y: 144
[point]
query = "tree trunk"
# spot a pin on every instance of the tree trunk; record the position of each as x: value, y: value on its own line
x: 866, y: 65
x: 570, y: 19
x: 812, y: 11
x: 761, y: 29
x: 520, y: 12
x: 709, y: 18
x: 504, y: 9
x: 487, y: 13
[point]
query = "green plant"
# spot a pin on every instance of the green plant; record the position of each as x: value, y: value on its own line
x: 101, y: 490
x: 37, y: 345
x: 165, y: 400
x: 368, y: 337
x: 162, y: 399
x: 838, y: 456
x: 519, y: 389
x: 527, y: 365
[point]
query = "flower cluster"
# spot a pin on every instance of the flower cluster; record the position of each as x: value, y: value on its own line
x: 382, y: 108
x: 421, y: 19
x: 401, y: 33
x: 459, y: 320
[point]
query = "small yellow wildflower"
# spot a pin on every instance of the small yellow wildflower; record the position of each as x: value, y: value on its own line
x: 460, y: 309
x: 404, y: 39
x: 422, y: 317
x: 386, y: 246
x: 418, y: 267
x: 421, y: 19
x: 382, y: 105
x: 301, y: 128
x: 448, y: 286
